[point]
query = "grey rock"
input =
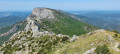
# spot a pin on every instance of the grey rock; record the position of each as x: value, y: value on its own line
x: 38, y: 14
x: 42, y: 13
x: 91, y: 51
x: 74, y: 38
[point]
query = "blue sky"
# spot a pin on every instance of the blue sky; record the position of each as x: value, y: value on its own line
x: 69, y: 5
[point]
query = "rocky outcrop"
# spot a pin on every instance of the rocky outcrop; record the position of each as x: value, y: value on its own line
x: 42, y: 13
x: 38, y: 14
x: 24, y: 43
x: 32, y: 26
x: 74, y: 38
x: 91, y: 51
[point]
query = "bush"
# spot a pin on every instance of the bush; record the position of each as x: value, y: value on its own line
x: 23, y: 46
x: 116, y: 35
x: 28, y: 32
x: 29, y: 45
x: 33, y: 50
x: 18, y: 49
x: 118, y: 46
x: 102, y: 50
x: 115, y: 31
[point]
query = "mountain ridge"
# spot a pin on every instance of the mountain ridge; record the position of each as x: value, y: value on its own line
x: 45, y: 31
x: 46, y: 19
x: 42, y: 16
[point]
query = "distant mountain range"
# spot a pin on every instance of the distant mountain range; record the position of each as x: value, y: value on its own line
x: 12, y: 17
x: 109, y: 20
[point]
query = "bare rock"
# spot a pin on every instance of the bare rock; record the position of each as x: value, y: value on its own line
x: 91, y: 51
x: 74, y: 38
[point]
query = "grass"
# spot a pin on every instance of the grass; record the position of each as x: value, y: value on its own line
x: 88, y: 42
x: 5, y: 29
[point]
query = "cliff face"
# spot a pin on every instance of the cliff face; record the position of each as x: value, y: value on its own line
x: 38, y: 14
x: 42, y: 13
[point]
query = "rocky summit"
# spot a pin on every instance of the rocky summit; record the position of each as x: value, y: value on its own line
x: 38, y: 14
x: 55, y: 21
x: 49, y: 31
x: 42, y: 13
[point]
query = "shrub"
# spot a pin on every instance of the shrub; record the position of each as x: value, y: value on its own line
x: 28, y: 32
x: 118, y: 46
x: 29, y: 45
x: 23, y: 46
x: 65, y: 38
x: 33, y: 50
x: 116, y: 35
x: 115, y: 31
x: 102, y: 50
x: 18, y: 49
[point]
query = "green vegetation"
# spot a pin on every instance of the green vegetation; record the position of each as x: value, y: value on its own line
x: 65, y: 24
x: 115, y: 31
x: 102, y: 50
x: 90, y: 41
x: 5, y: 38
x: 42, y: 44
x: 28, y: 32
x: 5, y: 29
x: 116, y: 35
x: 95, y: 42
x: 52, y: 42
x: 119, y: 46
x: 9, y: 50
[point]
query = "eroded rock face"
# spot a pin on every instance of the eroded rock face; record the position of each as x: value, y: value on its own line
x: 38, y: 14
x: 32, y: 26
x: 74, y: 38
x: 42, y: 13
